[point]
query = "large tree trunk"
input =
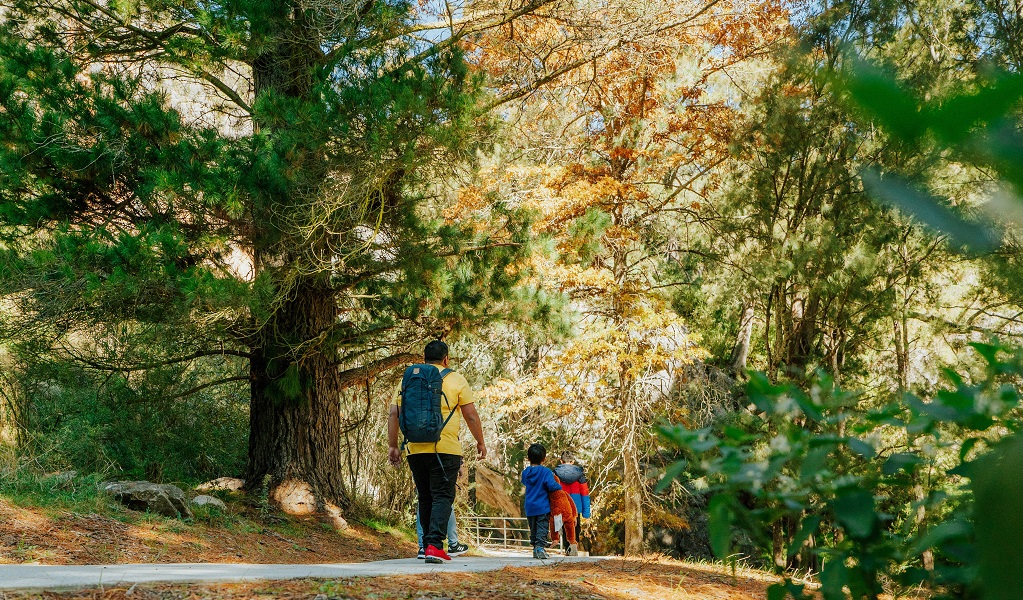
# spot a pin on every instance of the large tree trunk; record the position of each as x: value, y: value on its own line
x: 295, y: 413
x: 295, y: 410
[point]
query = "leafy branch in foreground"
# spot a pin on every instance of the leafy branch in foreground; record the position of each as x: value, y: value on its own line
x: 842, y: 478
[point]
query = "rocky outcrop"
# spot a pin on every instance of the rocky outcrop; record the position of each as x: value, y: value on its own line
x: 164, y: 499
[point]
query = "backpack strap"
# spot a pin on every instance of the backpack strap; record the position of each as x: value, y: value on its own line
x: 444, y: 373
x: 451, y: 412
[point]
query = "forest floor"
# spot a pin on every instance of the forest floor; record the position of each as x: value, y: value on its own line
x: 612, y: 579
x: 53, y: 535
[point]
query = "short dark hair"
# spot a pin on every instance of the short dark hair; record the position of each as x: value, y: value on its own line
x: 536, y: 453
x: 435, y: 351
x: 567, y: 456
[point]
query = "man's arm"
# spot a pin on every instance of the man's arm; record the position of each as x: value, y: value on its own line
x: 393, y: 454
x: 472, y: 421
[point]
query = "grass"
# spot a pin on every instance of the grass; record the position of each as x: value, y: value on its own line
x: 381, y: 526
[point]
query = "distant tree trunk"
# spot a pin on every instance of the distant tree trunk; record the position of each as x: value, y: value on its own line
x: 920, y: 495
x: 901, y: 352
x: 779, y: 549
x: 634, y: 543
x: 740, y: 352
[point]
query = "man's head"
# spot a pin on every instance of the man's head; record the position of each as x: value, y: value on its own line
x: 435, y: 352
x: 536, y: 454
x: 567, y: 457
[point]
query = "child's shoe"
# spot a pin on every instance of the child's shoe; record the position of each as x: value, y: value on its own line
x: 540, y: 553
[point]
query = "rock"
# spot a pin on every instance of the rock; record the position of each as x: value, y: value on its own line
x: 295, y: 497
x: 209, y: 501
x: 163, y: 499
x: 335, y: 517
x: 221, y: 484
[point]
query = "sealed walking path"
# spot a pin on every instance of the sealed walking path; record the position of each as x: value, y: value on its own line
x: 13, y: 577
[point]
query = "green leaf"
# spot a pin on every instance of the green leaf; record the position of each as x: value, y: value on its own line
x: 897, y: 192
x: 988, y: 351
x: 882, y: 97
x: 671, y: 474
x: 833, y: 578
x: 777, y: 591
x: 809, y: 409
x: 998, y: 493
x: 854, y: 509
x: 941, y: 533
x: 809, y: 527
x: 721, y: 517
x: 968, y: 445
x: 814, y: 462
x: 901, y: 461
x: 862, y: 448
x: 956, y: 119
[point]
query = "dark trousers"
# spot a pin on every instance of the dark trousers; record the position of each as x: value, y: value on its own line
x: 435, y: 483
x: 539, y: 527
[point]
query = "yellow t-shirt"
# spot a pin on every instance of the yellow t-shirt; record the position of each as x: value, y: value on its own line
x: 458, y: 393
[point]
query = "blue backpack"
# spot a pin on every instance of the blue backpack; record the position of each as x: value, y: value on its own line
x: 419, y: 416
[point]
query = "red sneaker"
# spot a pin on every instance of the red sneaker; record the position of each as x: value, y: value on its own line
x: 435, y: 555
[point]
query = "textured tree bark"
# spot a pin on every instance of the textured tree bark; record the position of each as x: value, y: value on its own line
x: 295, y: 412
x: 779, y: 549
x: 634, y: 544
x: 920, y: 495
x: 295, y: 408
x: 740, y: 352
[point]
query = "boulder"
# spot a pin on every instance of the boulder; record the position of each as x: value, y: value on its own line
x: 159, y: 498
x: 221, y: 484
x: 209, y: 501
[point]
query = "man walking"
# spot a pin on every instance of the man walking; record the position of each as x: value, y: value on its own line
x: 434, y: 464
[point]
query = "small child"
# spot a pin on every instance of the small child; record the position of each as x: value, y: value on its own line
x: 539, y: 482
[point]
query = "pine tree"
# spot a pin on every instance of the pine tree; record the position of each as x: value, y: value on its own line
x: 253, y: 180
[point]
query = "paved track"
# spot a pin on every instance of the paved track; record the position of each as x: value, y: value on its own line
x: 14, y: 577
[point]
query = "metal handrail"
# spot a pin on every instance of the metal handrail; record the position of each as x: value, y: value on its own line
x: 498, y: 531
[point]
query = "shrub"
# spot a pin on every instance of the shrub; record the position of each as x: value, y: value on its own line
x: 911, y: 493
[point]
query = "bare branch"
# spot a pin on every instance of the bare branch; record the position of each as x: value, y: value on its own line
x: 108, y: 367
x: 360, y: 374
x: 199, y: 388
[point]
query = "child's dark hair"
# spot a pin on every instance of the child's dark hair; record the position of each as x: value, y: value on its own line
x: 536, y: 453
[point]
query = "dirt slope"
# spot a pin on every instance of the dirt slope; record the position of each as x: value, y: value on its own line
x: 61, y: 537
